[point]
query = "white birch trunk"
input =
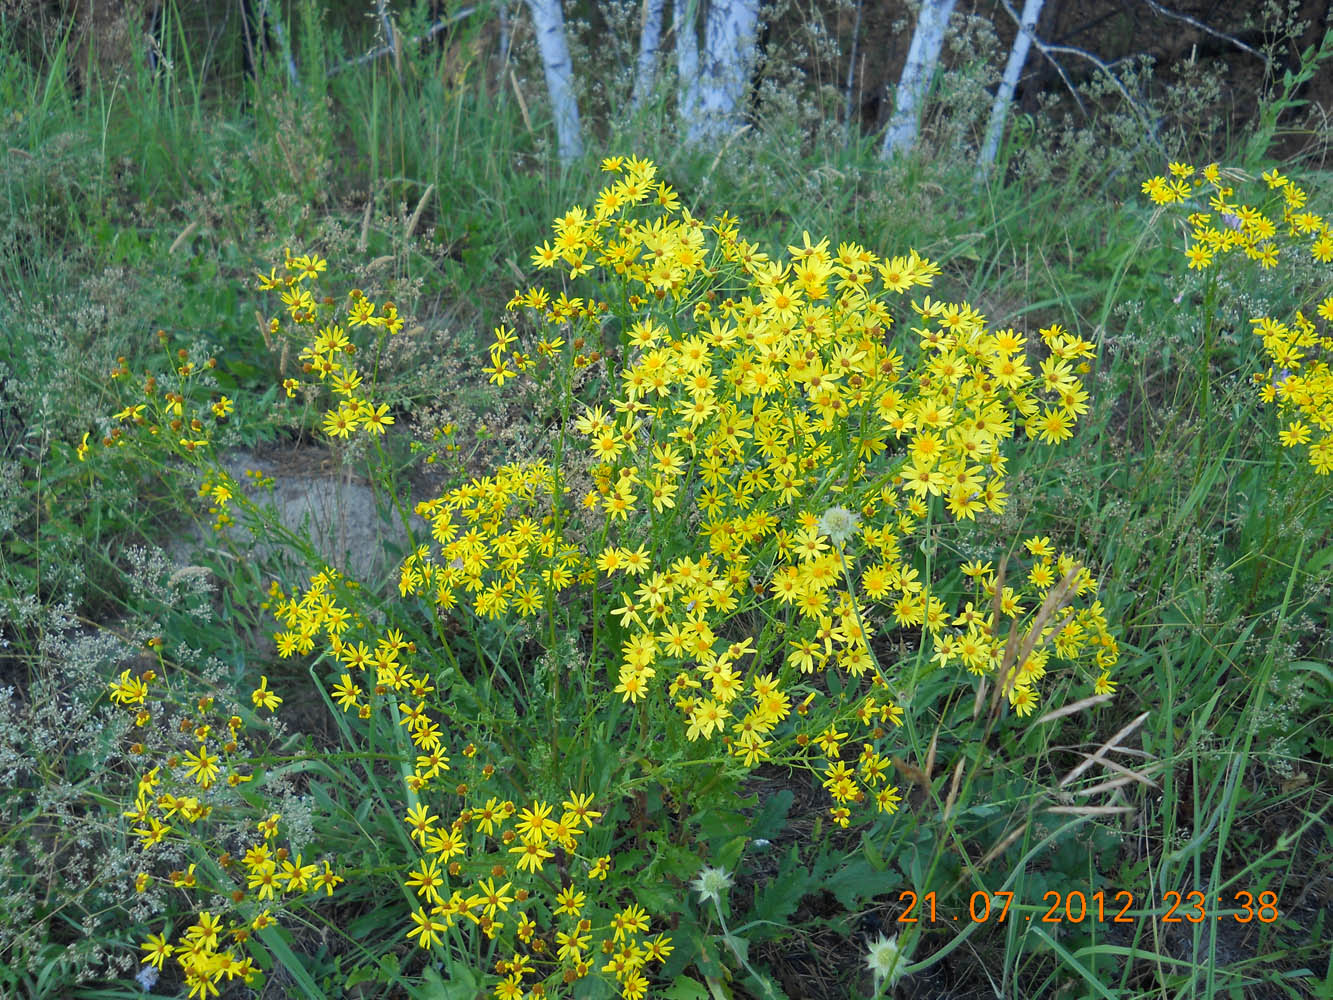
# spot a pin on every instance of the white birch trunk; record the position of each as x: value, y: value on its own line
x: 650, y: 41
x: 922, y: 56
x: 549, y: 21
x: 1004, y: 96
x: 683, y: 17
x: 269, y: 16
x: 730, y: 35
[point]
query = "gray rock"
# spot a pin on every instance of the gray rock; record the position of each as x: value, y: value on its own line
x: 311, y: 498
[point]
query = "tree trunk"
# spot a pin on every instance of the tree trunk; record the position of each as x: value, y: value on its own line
x: 922, y: 56
x: 730, y: 36
x: 549, y: 22
x: 650, y: 41
x: 683, y: 16
x: 1004, y: 96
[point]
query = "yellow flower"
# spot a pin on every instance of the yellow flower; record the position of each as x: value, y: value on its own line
x: 328, y: 880
x: 491, y: 899
x: 263, y: 697
x: 202, y: 767
x: 376, y: 420
x: 532, y: 852
x: 426, y: 879
x: 421, y: 820
x: 1023, y: 699
x: 158, y: 950
x: 426, y: 929
x: 339, y: 423
x: 297, y: 875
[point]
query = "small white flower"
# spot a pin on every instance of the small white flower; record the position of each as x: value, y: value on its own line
x: 839, y: 524
x: 886, y: 961
x: 711, y: 883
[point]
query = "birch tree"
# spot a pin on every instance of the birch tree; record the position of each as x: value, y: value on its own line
x: 922, y: 56
x: 650, y: 41
x: 683, y: 16
x: 712, y: 88
x: 1004, y: 96
x: 549, y: 21
x: 731, y: 33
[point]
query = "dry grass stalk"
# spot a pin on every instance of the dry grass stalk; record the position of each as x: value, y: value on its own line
x: 179, y: 241
x: 953, y: 787
x: 522, y: 104
x: 1113, y: 783
x: 263, y: 330
x: 416, y: 215
x: 1105, y: 748
x: 1091, y: 810
x: 1011, y: 661
x: 1002, y: 846
x: 363, y: 239
x: 1070, y: 709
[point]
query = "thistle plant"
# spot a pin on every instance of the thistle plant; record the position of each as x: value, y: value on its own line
x: 711, y: 566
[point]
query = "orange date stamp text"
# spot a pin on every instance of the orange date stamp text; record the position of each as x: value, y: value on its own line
x: 1102, y: 906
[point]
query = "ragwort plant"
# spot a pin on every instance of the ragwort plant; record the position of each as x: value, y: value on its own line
x: 1298, y: 380
x: 749, y: 458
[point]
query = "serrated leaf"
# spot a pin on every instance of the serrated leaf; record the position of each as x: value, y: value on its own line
x: 364, y: 974
x: 772, y: 818
x: 462, y: 985
x: 857, y: 881
x: 778, y: 898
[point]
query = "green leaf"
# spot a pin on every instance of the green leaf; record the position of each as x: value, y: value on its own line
x: 872, y: 854
x: 772, y: 818
x: 857, y: 881
x: 363, y: 974
x: 778, y: 898
x: 685, y: 988
x: 731, y: 853
x: 275, y: 941
x: 462, y: 985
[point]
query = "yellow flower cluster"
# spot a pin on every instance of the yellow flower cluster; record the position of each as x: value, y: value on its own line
x: 1298, y: 379
x: 327, y: 348
x: 753, y: 393
x: 497, y: 565
x: 554, y: 935
x: 165, y: 806
x: 1233, y: 225
x: 469, y: 867
x: 783, y: 430
x: 170, y: 414
x: 267, y: 870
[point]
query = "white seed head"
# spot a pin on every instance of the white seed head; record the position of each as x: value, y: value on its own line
x: 839, y: 523
x: 711, y: 883
x: 886, y: 961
